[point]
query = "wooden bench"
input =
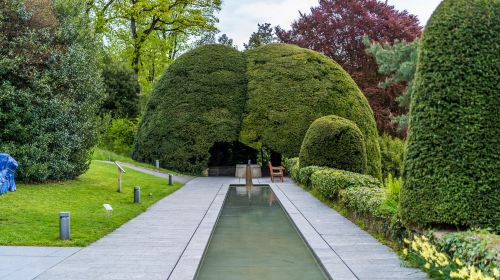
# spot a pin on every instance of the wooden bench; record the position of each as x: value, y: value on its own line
x: 276, y: 171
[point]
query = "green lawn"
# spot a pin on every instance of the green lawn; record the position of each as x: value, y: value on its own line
x: 100, y: 154
x: 30, y: 216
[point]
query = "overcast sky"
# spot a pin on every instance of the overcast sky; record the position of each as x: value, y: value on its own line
x: 239, y: 18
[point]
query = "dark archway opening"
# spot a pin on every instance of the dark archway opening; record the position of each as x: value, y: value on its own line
x: 225, y: 155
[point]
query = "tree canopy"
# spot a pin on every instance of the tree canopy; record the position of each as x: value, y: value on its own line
x: 399, y: 62
x: 149, y: 34
x: 50, y: 88
x: 336, y: 29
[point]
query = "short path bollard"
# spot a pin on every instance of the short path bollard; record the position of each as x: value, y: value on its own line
x: 157, y: 163
x: 170, y: 179
x: 137, y: 194
x: 64, y: 226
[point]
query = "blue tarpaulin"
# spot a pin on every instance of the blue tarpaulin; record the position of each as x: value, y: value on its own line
x: 8, y: 167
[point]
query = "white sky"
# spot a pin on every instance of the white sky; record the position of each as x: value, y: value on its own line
x: 239, y: 18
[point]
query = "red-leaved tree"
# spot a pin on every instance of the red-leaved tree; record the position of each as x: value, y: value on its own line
x: 336, y: 29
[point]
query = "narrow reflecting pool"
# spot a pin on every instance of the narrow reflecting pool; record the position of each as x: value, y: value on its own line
x: 254, y: 239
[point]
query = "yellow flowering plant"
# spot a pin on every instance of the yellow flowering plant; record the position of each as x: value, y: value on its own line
x: 422, y: 253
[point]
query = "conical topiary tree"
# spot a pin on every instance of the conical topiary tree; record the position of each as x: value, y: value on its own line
x: 452, y: 165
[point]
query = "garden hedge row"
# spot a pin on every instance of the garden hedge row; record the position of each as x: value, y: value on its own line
x: 452, y: 162
x: 289, y: 87
x: 329, y: 182
x: 334, y: 142
x: 198, y: 101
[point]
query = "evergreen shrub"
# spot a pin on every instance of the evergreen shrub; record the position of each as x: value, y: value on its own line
x: 289, y: 87
x: 198, y: 102
x: 50, y: 88
x: 305, y: 173
x: 452, y: 162
x: 334, y: 142
x: 329, y: 181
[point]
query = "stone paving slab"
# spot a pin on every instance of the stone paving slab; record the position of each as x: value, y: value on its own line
x: 363, y: 255
x: 150, y: 245
x: 169, y: 239
x: 23, y: 262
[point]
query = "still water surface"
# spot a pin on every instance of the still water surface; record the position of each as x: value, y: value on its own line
x: 254, y: 239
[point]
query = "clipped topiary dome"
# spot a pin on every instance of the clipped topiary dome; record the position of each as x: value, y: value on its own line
x: 289, y: 87
x: 453, y: 162
x: 198, y: 102
x: 334, y: 142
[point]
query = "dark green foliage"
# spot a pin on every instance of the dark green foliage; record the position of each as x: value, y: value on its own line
x: 329, y: 181
x: 122, y: 91
x: 198, y: 101
x: 362, y: 200
x: 305, y: 173
x: 50, y: 88
x: 453, y: 158
x: 399, y: 61
x: 290, y: 87
x: 334, y: 142
x: 392, y: 153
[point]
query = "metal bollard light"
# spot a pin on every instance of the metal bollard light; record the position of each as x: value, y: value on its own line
x: 137, y: 194
x: 157, y: 164
x: 170, y: 179
x: 64, y: 226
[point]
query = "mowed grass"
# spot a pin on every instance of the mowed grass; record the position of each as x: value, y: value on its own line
x: 30, y: 215
x: 100, y: 154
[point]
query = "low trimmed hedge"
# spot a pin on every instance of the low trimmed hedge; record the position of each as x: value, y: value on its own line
x: 362, y: 200
x: 291, y: 165
x: 304, y: 175
x: 329, y: 181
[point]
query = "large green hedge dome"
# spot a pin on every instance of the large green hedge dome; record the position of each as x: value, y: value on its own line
x: 289, y: 87
x: 453, y: 160
x: 198, y: 102
x: 335, y: 142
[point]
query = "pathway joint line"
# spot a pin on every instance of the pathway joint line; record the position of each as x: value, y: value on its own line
x: 321, y: 236
x: 194, y: 232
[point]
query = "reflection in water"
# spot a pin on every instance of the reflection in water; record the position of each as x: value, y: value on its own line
x: 254, y: 239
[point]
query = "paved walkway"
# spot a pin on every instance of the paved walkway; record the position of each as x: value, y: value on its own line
x: 150, y: 171
x: 167, y: 241
x: 177, y: 178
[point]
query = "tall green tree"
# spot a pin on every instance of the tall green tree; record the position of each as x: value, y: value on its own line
x: 122, y: 91
x: 210, y: 37
x: 263, y: 36
x: 150, y: 33
x: 397, y: 61
x: 50, y: 87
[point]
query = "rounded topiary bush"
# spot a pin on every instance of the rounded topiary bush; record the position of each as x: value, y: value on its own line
x: 198, y: 101
x: 452, y: 163
x: 289, y: 87
x: 50, y: 88
x: 334, y: 142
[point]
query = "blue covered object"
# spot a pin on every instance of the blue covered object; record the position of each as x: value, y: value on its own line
x: 8, y: 167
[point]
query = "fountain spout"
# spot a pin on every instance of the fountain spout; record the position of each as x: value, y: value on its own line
x: 248, y: 179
